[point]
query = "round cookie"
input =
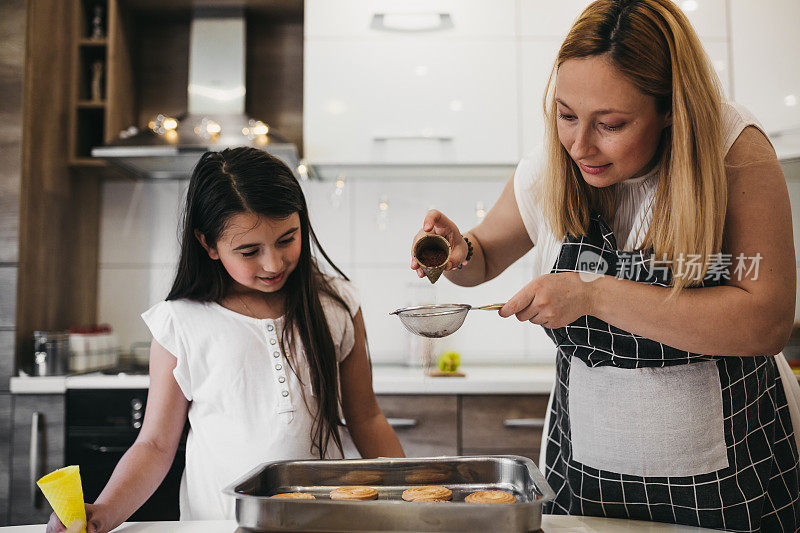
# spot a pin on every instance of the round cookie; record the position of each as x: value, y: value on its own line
x: 490, y: 496
x: 427, y: 493
x: 294, y: 496
x: 354, y: 493
x: 428, y: 474
x: 361, y: 477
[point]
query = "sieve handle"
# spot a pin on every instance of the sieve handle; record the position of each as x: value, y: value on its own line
x: 490, y: 307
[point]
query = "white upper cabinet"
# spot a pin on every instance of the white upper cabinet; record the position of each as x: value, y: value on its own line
x: 766, y: 70
x: 416, y: 19
x: 411, y: 82
x: 537, y: 59
x: 549, y: 20
x: 708, y: 18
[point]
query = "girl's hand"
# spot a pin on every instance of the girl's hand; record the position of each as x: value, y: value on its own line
x: 436, y: 222
x: 96, y: 517
x: 553, y: 300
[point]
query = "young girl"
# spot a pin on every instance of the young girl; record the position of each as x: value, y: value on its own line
x: 253, y: 342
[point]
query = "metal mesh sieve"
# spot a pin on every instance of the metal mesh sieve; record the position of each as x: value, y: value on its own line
x: 433, y: 321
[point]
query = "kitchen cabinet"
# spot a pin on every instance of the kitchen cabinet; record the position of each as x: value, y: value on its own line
x: 419, y: 19
x: 431, y: 425
x: 37, y: 448
x: 102, y: 101
x: 399, y: 84
x: 426, y: 425
x: 766, y: 79
x: 502, y: 425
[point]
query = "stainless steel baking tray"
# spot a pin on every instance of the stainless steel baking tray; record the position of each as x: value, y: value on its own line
x: 256, y: 511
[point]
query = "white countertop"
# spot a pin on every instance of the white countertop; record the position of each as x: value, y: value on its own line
x: 550, y: 523
x: 507, y: 379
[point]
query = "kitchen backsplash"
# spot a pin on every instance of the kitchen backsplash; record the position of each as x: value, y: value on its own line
x: 366, y: 227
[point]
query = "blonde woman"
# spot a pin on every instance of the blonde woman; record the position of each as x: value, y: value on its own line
x: 664, y: 272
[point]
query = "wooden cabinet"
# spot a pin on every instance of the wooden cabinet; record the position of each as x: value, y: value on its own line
x: 431, y: 425
x: 102, y: 88
x: 426, y: 425
x: 502, y: 425
x: 37, y: 448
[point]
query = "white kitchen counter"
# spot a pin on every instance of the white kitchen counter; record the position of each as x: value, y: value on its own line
x: 507, y: 379
x: 575, y: 524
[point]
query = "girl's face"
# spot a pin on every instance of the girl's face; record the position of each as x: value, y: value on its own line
x: 609, y: 127
x: 258, y: 252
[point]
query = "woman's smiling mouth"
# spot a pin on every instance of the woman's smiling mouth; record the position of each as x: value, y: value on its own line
x: 592, y: 169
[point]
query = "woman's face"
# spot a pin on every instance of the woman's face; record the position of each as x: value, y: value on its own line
x: 258, y: 252
x: 609, y: 127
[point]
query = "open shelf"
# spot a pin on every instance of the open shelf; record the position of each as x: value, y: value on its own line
x: 90, y: 129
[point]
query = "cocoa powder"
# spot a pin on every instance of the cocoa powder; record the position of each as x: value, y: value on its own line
x: 432, y: 257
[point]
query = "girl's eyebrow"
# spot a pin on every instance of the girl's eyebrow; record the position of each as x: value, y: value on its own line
x: 598, y: 112
x: 287, y: 232
x: 243, y: 246
x: 253, y: 245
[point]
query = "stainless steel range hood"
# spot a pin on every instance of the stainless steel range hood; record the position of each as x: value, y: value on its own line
x: 170, y: 146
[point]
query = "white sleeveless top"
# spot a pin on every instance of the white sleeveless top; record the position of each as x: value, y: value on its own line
x: 247, y: 405
x: 634, y: 199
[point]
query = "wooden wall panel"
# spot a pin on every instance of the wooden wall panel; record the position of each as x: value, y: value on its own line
x: 161, y: 65
x: 5, y: 457
x: 8, y: 290
x: 58, y: 238
x: 121, y: 92
x: 6, y: 361
x: 275, y: 73
x: 12, y: 47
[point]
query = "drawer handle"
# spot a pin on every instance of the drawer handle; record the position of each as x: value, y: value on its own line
x: 414, y: 22
x: 98, y: 448
x: 412, y: 137
x: 401, y: 423
x: 524, y: 422
x: 35, y: 458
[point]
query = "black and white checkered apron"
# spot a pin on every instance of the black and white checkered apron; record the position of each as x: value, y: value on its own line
x: 758, y: 491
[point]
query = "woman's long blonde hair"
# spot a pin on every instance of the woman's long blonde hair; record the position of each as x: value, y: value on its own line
x: 652, y: 43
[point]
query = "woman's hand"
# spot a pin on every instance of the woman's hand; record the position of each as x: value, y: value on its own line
x: 96, y: 516
x: 436, y: 222
x: 552, y: 300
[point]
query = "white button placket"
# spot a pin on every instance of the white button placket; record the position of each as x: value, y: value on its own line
x: 278, y: 365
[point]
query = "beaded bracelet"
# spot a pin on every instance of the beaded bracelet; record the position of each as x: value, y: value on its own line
x: 469, y: 252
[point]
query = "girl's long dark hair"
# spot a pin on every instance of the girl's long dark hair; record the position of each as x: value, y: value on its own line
x: 248, y: 180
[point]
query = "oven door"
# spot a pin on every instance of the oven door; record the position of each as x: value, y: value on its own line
x: 98, y: 455
x: 102, y: 424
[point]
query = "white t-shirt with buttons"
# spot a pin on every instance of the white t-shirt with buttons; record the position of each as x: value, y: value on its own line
x: 248, y: 404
